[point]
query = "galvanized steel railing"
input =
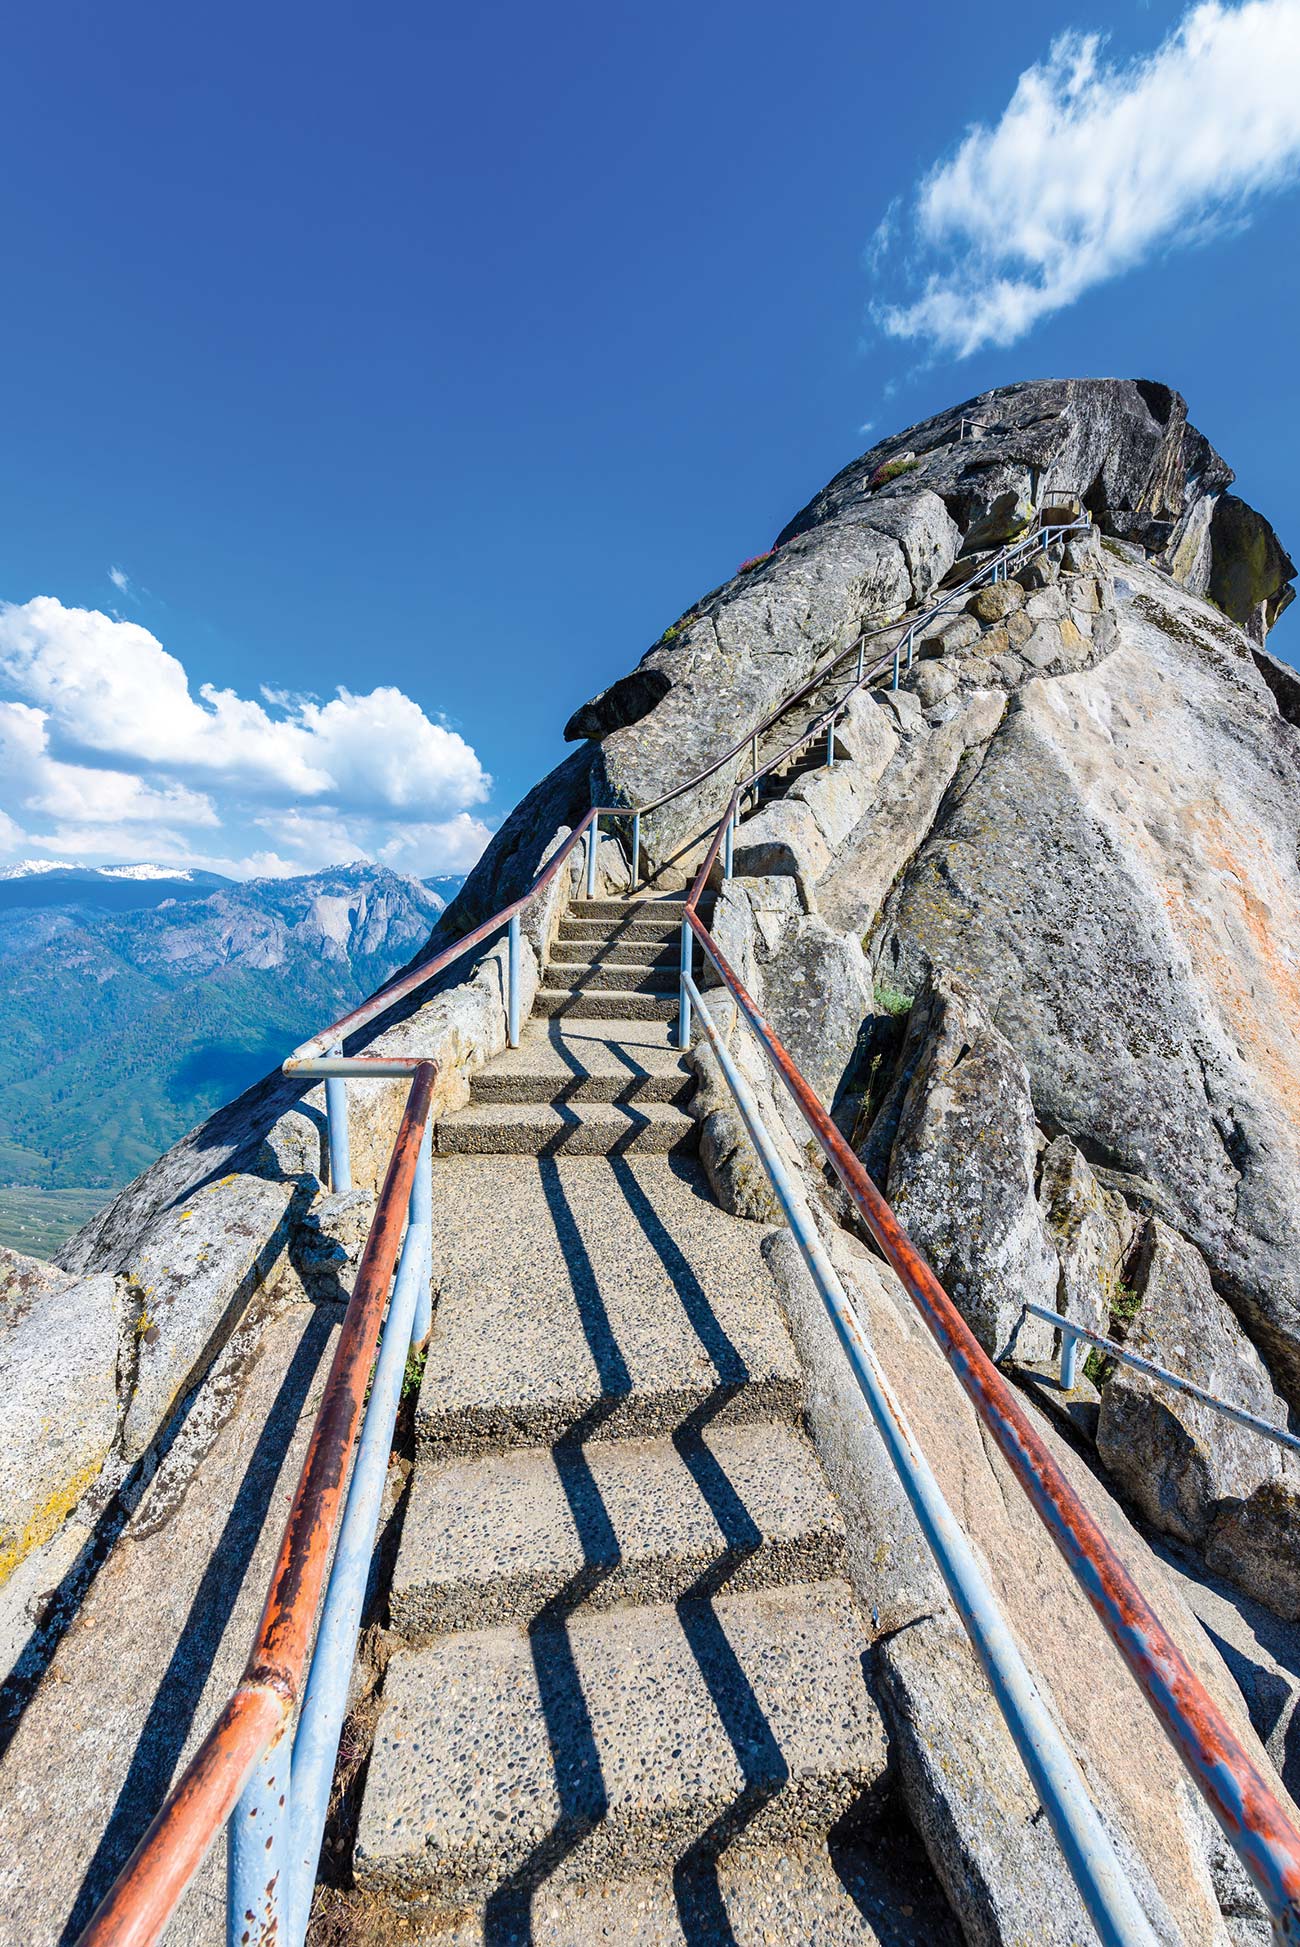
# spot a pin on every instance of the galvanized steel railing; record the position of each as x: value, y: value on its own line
x: 254, y: 1769
x: 1075, y: 1336
x: 1252, y: 1817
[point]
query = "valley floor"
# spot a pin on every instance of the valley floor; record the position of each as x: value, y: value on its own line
x: 36, y: 1221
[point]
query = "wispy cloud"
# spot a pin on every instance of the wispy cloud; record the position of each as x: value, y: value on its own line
x: 120, y: 580
x: 1093, y: 168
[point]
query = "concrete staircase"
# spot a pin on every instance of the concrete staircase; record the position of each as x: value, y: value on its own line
x: 628, y: 1702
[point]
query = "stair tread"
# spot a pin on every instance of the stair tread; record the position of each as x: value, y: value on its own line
x: 532, y: 1128
x: 608, y: 1003
x: 819, y: 1895
x: 586, y: 1296
x: 494, y: 1539
x: 633, y: 1732
x: 566, y: 1058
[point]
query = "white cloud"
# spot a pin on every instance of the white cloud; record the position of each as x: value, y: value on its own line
x: 109, y: 688
x: 120, y: 580
x: 106, y: 753
x: 1094, y: 167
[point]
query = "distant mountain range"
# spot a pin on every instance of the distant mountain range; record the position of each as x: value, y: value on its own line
x: 134, y: 1000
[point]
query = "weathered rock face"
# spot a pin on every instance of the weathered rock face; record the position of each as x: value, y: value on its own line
x: 1115, y: 874
x: 1178, y: 1462
x: 962, y: 1169
x: 884, y: 533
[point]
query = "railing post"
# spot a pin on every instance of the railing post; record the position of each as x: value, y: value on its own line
x: 727, y: 845
x: 754, y: 756
x: 910, y: 646
x: 862, y: 650
x: 420, y: 1217
x: 512, y: 979
x: 636, y: 848
x: 336, y: 1116
x: 830, y: 745
x: 894, y: 684
x: 1071, y: 1346
x: 258, y: 1853
x: 593, y: 839
x: 683, y: 998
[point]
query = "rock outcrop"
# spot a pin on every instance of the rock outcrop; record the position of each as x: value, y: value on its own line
x: 1033, y: 937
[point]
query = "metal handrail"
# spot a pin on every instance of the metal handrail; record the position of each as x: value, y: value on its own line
x: 249, y: 1769
x: 1073, y: 1335
x: 1083, y: 1838
x: 1249, y: 1812
x: 1035, y: 537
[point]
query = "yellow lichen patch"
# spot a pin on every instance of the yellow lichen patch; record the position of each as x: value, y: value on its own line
x: 45, y: 1521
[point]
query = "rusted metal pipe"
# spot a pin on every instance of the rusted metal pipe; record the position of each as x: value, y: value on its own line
x: 153, y: 1882
x: 1249, y: 1811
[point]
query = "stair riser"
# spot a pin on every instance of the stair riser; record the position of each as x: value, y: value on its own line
x: 419, y: 1613
x: 597, y: 930
x: 642, y: 1415
x: 598, y: 1006
x: 637, y: 979
x: 526, y: 1138
x: 501, y: 1086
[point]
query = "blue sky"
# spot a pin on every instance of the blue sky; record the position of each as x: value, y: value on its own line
x: 414, y: 371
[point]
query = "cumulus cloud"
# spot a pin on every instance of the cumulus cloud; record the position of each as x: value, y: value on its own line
x: 1093, y: 168
x: 105, y: 751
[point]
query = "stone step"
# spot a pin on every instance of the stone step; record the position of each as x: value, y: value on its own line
x: 601, y: 932
x: 850, y: 1893
x: 610, y: 1005
x: 571, y: 1129
x: 619, y: 952
x: 613, y: 976
x: 508, y: 1538
x: 594, y: 1297
x: 611, y: 1745
x: 568, y: 1059
x: 641, y: 911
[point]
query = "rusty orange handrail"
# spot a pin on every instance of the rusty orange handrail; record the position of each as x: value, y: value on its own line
x: 151, y: 1885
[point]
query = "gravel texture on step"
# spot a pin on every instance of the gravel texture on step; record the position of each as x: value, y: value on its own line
x: 567, y: 1059
x: 571, y: 1129
x: 598, y: 1005
x: 616, y: 1742
x: 594, y: 1297
x: 640, y: 909
x: 617, y: 952
x: 611, y: 976
x: 822, y: 1896
x: 496, y: 1540
x: 628, y: 932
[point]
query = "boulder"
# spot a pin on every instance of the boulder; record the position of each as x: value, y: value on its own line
x: 784, y: 837
x: 1255, y: 1543
x: 1092, y: 1231
x: 1003, y: 518
x: 962, y: 1168
x: 997, y: 600
x: 949, y: 635
x: 59, y: 1345
x: 1175, y: 1460
x: 1250, y: 574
